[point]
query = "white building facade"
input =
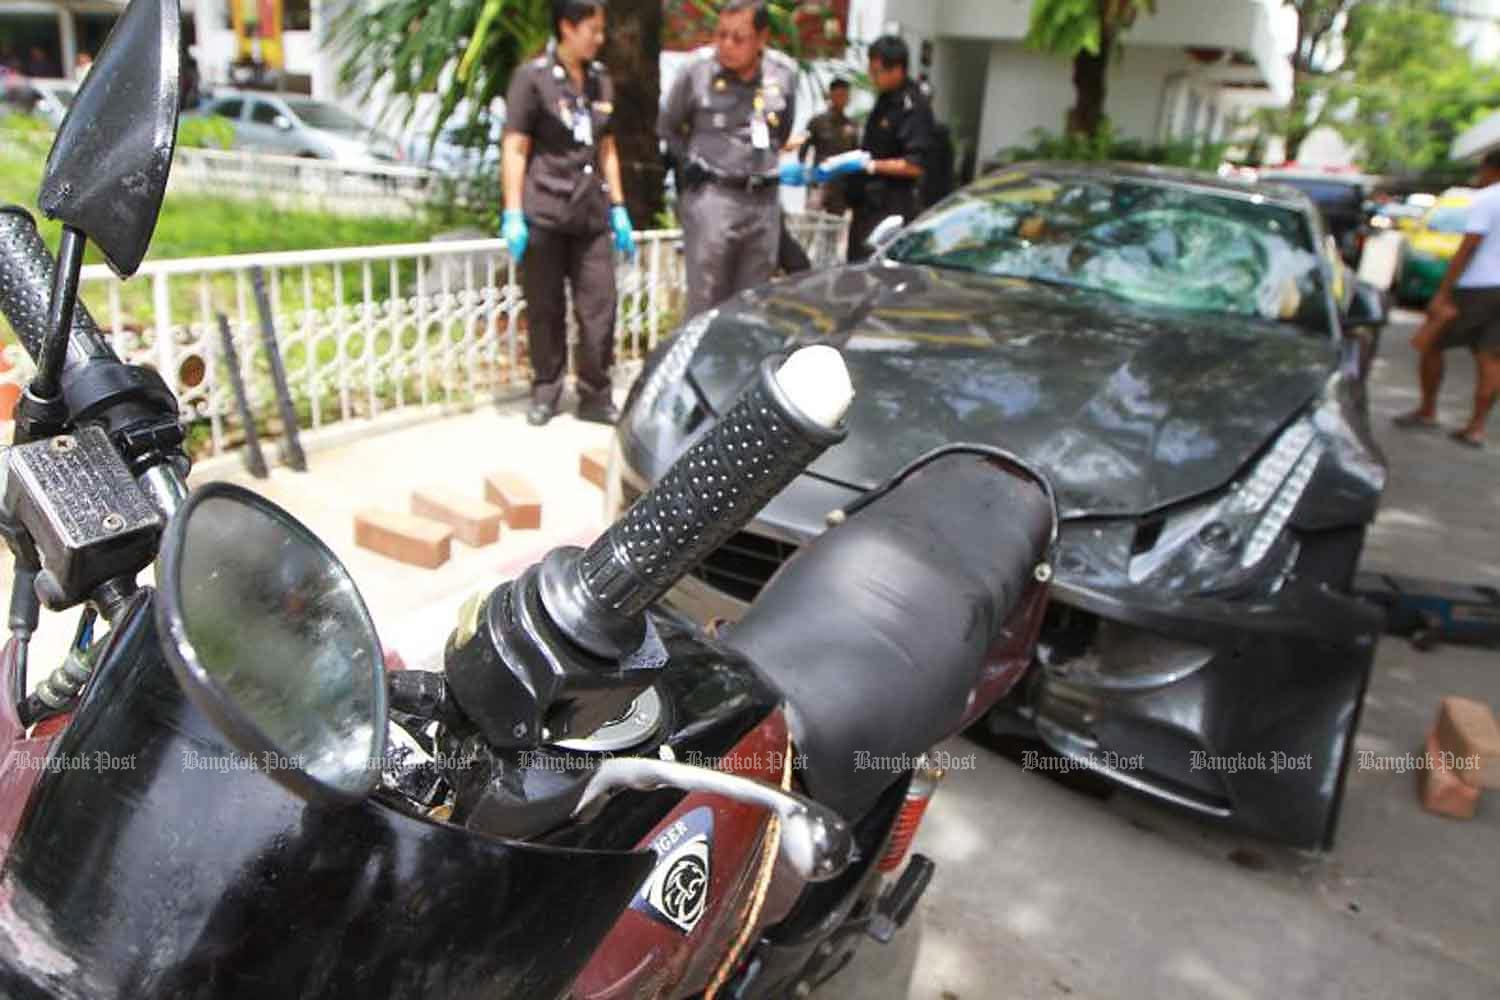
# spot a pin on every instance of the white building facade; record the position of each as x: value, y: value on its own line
x: 1189, y: 70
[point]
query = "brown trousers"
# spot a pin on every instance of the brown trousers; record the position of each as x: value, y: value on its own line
x: 586, y: 262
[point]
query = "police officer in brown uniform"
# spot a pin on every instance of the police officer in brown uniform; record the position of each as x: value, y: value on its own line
x: 899, y: 138
x: 726, y: 119
x: 828, y: 135
x: 564, y: 209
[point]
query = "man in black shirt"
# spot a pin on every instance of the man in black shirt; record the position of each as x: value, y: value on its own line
x: 899, y: 138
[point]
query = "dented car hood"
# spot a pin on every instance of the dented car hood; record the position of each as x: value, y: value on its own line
x: 1126, y: 408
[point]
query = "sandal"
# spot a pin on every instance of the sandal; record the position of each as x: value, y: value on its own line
x: 1415, y: 421
x: 1463, y: 438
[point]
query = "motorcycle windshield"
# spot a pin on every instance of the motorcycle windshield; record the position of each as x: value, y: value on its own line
x: 163, y: 864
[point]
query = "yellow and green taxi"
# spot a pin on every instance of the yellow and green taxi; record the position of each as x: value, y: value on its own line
x: 1432, y: 246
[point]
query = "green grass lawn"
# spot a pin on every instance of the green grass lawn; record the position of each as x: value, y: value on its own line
x: 194, y: 225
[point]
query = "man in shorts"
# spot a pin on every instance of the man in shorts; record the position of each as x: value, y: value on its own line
x: 1465, y: 313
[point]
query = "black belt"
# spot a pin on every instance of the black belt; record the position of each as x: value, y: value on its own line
x: 753, y: 183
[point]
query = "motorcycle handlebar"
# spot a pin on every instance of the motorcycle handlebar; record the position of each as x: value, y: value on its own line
x: 780, y: 425
x: 26, y: 269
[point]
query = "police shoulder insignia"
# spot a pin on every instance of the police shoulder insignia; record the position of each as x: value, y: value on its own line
x: 557, y: 72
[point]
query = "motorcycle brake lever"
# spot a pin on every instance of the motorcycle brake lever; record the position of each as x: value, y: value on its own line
x: 815, y: 841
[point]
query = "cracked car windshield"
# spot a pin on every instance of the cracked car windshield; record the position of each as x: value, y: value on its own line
x: 1148, y: 243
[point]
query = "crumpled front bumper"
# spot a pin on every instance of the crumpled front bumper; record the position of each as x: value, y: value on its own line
x: 1243, y: 712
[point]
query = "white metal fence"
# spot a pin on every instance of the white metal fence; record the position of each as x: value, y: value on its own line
x: 292, y: 182
x: 367, y: 330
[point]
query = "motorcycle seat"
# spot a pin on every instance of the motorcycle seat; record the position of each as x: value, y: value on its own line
x: 875, y: 633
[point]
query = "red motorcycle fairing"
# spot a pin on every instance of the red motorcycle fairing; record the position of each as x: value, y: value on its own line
x: 671, y: 941
x: 178, y: 871
x: 18, y: 756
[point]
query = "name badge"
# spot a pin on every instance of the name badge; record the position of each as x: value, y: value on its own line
x: 583, y: 128
x: 760, y: 133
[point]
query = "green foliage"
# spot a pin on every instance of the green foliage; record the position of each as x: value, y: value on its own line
x: 1088, y: 32
x: 1417, y: 89
x: 1068, y: 27
x: 209, y: 132
x: 1106, y: 145
x: 1320, y: 29
x: 461, y: 50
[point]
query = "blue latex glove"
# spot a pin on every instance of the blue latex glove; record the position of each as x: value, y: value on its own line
x: 793, y: 174
x: 856, y: 162
x: 514, y: 231
x: 619, y: 221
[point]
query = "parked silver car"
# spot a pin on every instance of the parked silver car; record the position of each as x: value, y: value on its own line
x: 461, y: 149
x: 299, y: 126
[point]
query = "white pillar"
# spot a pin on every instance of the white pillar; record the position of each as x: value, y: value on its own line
x: 68, y: 37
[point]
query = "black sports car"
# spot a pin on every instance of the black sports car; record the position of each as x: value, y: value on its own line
x: 1171, y: 350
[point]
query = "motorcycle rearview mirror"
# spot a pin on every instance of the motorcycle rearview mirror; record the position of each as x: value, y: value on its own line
x: 107, y: 172
x: 267, y: 634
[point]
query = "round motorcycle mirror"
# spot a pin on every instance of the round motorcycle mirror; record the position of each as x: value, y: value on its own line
x: 269, y: 637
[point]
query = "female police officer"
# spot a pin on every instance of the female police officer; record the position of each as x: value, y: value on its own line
x: 564, y: 207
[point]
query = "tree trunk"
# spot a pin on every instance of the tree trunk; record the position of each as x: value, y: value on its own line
x: 1298, y: 123
x: 1090, y: 86
x: 1091, y: 77
x: 633, y: 55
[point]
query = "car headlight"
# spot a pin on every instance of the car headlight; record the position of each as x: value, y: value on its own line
x: 1224, y: 542
x: 667, y: 405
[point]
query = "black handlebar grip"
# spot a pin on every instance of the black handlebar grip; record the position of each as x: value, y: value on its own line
x: 26, y: 269
x: 715, y: 489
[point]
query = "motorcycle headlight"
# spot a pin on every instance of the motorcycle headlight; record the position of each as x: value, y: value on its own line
x: 668, y: 400
x: 1223, y: 543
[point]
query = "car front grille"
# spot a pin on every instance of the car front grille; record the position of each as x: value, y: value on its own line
x: 743, y: 565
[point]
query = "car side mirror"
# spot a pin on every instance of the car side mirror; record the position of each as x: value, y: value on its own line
x: 283, y: 123
x: 1367, y: 306
x: 885, y: 233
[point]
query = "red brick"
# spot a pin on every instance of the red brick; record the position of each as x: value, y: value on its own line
x: 593, y: 465
x: 1442, y: 791
x: 412, y: 540
x: 1467, y: 730
x: 474, y: 522
x: 515, y: 495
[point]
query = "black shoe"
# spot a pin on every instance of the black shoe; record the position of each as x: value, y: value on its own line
x: 602, y: 412
x: 539, y: 414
